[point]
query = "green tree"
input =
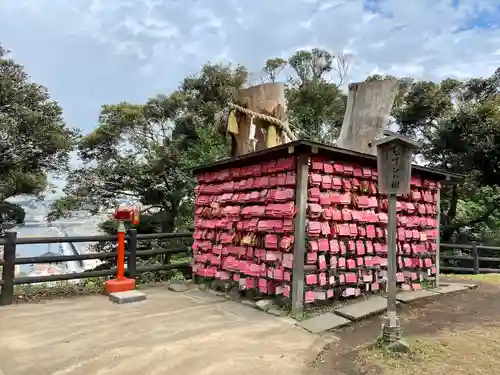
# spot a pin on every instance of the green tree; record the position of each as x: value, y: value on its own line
x: 471, y: 145
x: 130, y: 155
x: 143, y: 152
x: 274, y: 67
x: 316, y: 104
x: 34, y: 139
x: 457, y: 123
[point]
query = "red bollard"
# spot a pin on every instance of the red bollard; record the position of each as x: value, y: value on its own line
x: 122, y: 283
x: 120, y: 267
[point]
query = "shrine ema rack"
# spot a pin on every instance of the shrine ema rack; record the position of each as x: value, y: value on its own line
x: 305, y: 222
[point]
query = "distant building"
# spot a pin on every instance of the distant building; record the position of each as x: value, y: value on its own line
x: 49, y: 254
x: 45, y: 269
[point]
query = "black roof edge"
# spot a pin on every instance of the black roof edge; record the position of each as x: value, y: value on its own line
x: 311, y: 147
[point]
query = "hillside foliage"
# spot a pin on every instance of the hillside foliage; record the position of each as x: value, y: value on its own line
x: 144, y: 151
x: 35, y: 142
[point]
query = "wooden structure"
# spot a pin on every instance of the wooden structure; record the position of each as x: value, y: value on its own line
x: 305, y: 222
x: 257, y: 119
x: 471, y: 258
x: 369, y: 106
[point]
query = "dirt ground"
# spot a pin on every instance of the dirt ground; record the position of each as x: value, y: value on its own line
x: 169, y: 333
x: 457, y: 333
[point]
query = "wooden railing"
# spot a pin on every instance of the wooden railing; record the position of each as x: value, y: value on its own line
x: 472, y: 262
x: 9, y: 261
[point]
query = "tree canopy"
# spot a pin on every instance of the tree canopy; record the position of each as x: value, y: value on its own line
x: 143, y: 151
x: 35, y: 142
x: 316, y: 103
x: 458, y: 124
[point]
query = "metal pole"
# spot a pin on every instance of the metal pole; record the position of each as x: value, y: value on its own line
x: 122, y: 283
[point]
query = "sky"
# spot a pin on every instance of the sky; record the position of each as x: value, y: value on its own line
x: 93, y: 52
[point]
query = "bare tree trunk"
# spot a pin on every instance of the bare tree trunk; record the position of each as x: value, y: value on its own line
x: 367, y: 114
x: 268, y: 99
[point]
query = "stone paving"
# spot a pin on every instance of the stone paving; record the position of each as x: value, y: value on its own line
x: 451, y: 288
x: 372, y: 306
x: 363, y: 308
x: 407, y: 297
x: 324, y: 322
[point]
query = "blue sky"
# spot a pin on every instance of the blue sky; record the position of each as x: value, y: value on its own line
x: 91, y: 52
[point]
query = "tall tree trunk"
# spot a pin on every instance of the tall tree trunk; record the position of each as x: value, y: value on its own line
x: 369, y: 106
x: 447, y: 218
x: 168, y: 226
x: 170, y: 212
x: 268, y: 99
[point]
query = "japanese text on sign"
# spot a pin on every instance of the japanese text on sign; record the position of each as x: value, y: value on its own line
x: 395, y: 156
x: 394, y: 164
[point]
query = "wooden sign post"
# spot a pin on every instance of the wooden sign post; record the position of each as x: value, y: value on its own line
x: 394, y: 157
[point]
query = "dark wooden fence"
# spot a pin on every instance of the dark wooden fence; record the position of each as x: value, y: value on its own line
x: 469, y: 259
x: 9, y: 261
x: 454, y: 258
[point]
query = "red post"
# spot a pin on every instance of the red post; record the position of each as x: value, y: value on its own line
x: 121, y: 283
x: 120, y: 267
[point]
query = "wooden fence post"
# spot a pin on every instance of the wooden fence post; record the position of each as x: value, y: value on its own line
x: 299, y: 249
x: 132, y: 254
x: 475, y: 255
x: 8, y: 269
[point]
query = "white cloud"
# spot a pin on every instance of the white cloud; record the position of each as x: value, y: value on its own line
x: 141, y: 47
x: 92, y: 52
x: 389, y: 34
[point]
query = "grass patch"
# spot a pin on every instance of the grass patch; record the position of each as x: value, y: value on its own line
x: 33, y: 293
x: 473, y: 351
x: 492, y: 278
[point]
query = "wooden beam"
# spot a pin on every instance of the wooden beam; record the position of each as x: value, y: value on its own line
x: 299, y: 248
